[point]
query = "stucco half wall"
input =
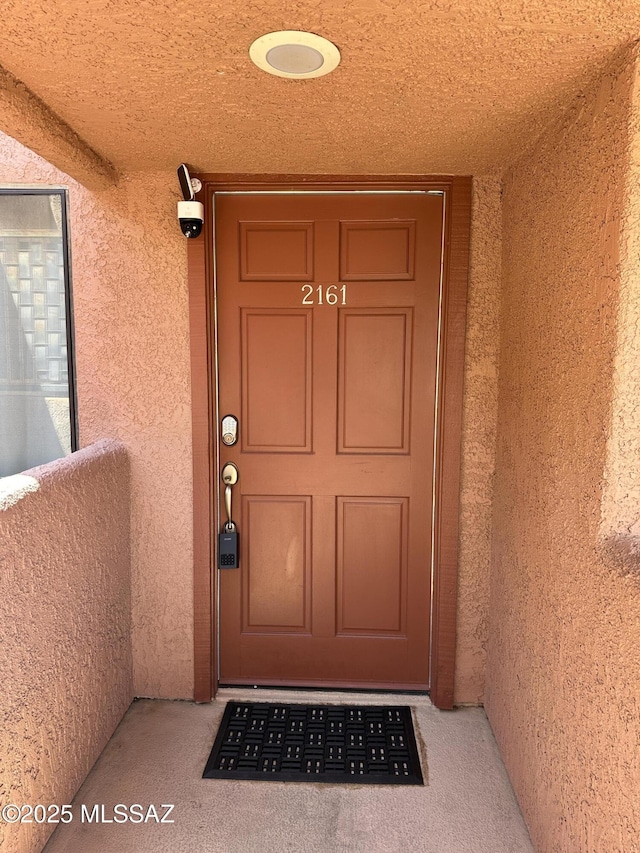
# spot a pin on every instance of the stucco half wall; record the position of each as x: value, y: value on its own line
x: 64, y: 629
x: 563, y: 673
x: 131, y: 311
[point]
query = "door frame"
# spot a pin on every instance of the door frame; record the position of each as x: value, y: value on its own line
x: 200, y: 271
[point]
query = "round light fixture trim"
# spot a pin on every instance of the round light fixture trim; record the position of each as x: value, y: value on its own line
x: 295, y: 54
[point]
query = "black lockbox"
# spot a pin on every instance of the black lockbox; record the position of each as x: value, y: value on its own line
x: 228, y: 555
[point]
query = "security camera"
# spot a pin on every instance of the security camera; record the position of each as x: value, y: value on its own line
x: 191, y: 216
x: 190, y: 212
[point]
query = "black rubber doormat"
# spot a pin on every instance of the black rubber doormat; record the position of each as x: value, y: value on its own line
x: 362, y: 744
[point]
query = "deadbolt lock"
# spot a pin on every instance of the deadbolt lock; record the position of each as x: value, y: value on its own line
x: 229, y: 430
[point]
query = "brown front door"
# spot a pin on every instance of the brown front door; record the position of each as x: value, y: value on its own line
x: 328, y: 311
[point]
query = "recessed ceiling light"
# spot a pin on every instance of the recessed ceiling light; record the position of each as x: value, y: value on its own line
x: 296, y: 54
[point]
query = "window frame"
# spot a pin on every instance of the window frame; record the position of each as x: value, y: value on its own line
x: 63, y: 192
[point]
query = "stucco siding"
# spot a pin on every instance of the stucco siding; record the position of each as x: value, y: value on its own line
x: 480, y: 411
x: 564, y: 661
x: 65, y: 629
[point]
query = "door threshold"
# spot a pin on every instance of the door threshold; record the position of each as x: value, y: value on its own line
x: 409, y: 690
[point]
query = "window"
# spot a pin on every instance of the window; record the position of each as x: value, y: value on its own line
x: 37, y: 389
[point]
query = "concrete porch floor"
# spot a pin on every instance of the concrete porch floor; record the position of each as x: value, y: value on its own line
x: 159, y: 750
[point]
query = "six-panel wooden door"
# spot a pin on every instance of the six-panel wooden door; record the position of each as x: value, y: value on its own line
x: 327, y: 341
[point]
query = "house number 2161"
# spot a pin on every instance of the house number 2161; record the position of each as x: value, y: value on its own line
x: 329, y: 295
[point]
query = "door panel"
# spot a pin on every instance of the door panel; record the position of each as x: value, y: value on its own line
x: 336, y: 397
x: 374, y: 380
x: 372, y: 565
x: 276, y: 381
x: 277, y: 588
x: 276, y: 251
x: 377, y: 250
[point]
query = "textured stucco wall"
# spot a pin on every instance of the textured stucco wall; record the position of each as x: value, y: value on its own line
x: 563, y: 670
x: 64, y: 629
x: 132, y: 347
x: 620, y: 521
x: 130, y: 302
x: 478, y: 438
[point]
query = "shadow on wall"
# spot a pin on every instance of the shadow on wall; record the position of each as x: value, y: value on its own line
x: 29, y: 434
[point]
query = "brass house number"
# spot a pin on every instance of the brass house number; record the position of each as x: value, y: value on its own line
x: 324, y: 295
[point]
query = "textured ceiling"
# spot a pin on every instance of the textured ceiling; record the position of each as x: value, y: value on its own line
x: 436, y: 86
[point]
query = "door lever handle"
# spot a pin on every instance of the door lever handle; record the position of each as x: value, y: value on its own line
x: 230, y: 476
